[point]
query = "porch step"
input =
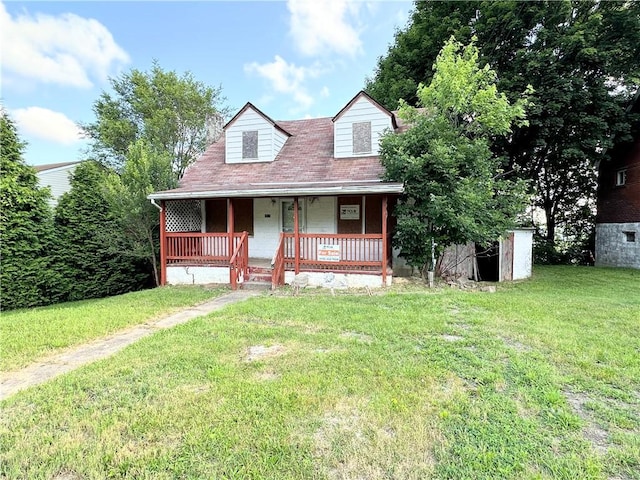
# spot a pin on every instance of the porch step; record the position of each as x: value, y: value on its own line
x: 254, y: 285
x: 259, y: 274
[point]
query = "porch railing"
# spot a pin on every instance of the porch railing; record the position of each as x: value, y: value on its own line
x: 335, y: 252
x: 239, y: 262
x: 277, y: 265
x: 199, y: 248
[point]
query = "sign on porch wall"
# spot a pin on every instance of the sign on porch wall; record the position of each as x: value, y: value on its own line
x: 328, y: 253
x: 349, y: 212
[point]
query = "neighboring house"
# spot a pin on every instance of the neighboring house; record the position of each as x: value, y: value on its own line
x: 618, y: 217
x: 308, y: 193
x: 57, y: 176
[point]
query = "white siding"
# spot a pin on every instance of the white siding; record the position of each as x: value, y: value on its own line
x: 321, y: 215
x: 362, y: 110
x: 58, y: 179
x: 270, y: 139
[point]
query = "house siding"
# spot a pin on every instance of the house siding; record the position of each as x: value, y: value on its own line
x: 269, y: 143
x: 58, y: 180
x: 362, y: 110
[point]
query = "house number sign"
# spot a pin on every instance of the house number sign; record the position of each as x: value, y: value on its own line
x: 349, y: 212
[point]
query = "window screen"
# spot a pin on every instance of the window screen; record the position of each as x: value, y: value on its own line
x: 362, y: 137
x: 250, y: 144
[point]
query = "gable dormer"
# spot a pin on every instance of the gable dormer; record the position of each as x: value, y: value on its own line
x: 357, y: 128
x: 251, y: 136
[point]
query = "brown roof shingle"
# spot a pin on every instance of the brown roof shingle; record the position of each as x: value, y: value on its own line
x: 305, y: 158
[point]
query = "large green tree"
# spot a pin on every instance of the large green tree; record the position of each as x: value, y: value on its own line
x: 87, y: 231
x: 145, y: 171
x: 172, y: 113
x: 454, y: 188
x: 26, y: 231
x: 580, y: 57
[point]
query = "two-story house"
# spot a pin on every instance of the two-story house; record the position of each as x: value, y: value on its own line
x: 286, y: 196
x: 618, y: 217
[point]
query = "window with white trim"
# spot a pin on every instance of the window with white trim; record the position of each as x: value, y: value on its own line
x: 250, y: 144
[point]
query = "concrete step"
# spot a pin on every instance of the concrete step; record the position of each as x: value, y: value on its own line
x: 253, y: 285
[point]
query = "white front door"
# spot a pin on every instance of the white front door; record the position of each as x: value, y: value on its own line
x: 286, y: 214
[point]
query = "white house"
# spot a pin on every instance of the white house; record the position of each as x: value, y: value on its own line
x: 56, y: 176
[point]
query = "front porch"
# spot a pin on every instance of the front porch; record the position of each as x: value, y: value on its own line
x: 353, y: 259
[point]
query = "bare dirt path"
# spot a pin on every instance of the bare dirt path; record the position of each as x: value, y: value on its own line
x: 40, y: 372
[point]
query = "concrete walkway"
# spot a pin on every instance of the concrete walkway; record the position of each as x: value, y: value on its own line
x: 40, y: 372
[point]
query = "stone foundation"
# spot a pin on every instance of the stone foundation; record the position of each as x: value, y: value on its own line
x: 614, y: 247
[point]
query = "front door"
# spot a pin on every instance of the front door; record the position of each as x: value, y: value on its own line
x: 287, y: 216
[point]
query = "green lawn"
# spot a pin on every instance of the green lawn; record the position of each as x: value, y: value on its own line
x: 540, y: 380
x: 30, y: 334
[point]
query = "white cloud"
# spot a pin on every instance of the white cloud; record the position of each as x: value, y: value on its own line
x: 46, y: 124
x: 324, y: 93
x: 324, y: 27
x: 64, y: 49
x: 286, y: 78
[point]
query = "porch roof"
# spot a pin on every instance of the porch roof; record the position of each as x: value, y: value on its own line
x: 304, y: 166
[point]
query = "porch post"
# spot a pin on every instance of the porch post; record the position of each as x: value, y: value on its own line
x: 296, y: 234
x: 163, y: 243
x: 230, y: 226
x: 384, y: 241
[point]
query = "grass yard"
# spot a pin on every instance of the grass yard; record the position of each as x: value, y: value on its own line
x: 30, y: 334
x: 540, y: 380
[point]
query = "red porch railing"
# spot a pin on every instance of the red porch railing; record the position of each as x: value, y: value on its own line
x: 239, y: 262
x: 199, y: 248
x: 356, y: 252
x: 277, y: 265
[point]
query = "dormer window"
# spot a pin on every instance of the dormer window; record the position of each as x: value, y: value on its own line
x: 361, y: 137
x: 250, y: 144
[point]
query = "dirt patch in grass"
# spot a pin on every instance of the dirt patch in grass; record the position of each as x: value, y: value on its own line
x: 353, y: 442
x: 451, y: 338
x: 267, y: 376
x: 261, y: 352
x: 597, y: 436
x: 361, y: 337
x: 515, y: 344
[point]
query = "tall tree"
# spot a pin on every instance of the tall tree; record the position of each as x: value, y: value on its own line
x: 172, y: 113
x: 145, y: 171
x: 580, y: 57
x: 25, y: 226
x: 454, y: 188
x: 87, y: 231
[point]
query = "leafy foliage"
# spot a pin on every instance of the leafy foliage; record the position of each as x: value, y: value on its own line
x: 145, y: 171
x: 581, y: 59
x: 86, y: 255
x: 172, y: 113
x: 455, y: 190
x: 25, y: 226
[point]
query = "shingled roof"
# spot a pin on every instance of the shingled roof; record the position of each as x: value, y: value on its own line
x: 304, y: 166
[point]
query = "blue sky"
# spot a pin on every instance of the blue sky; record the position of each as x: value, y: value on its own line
x: 292, y: 59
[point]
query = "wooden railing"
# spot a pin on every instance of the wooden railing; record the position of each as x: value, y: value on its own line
x: 239, y: 262
x: 347, y: 252
x: 199, y: 248
x: 277, y: 265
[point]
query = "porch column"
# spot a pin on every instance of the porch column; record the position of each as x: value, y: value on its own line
x: 163, y: 243
x: 384, y: 241
x: 296, y: 234
x: 230, y: 226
